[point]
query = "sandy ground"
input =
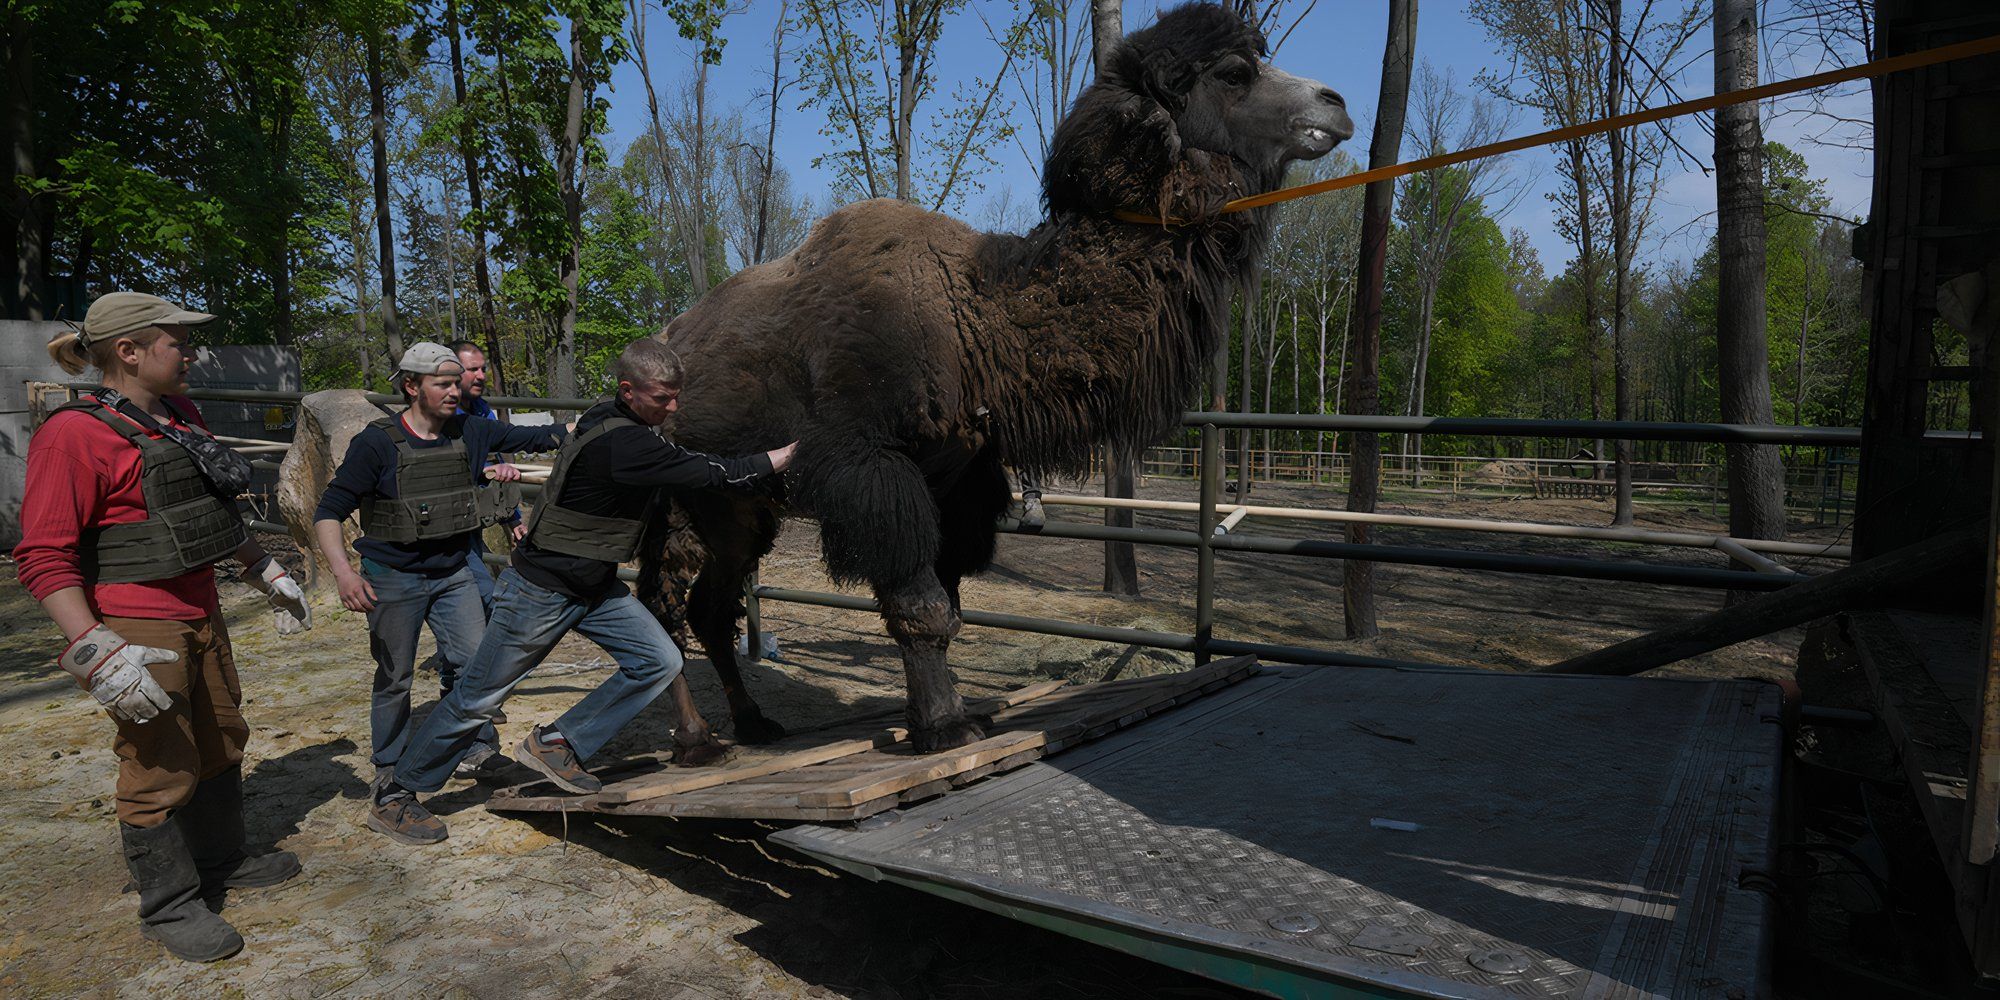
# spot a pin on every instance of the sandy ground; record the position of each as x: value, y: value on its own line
x: 686, y: 910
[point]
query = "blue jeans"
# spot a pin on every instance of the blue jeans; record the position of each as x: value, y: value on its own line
x: 403, y: 603
x: 482, y: 574
x: 527, y: 623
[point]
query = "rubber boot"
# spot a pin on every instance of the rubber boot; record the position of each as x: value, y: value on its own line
x: 212, y: 825
x: 170, y: 907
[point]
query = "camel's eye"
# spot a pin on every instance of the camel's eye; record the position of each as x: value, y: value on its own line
x: 1237, y: 75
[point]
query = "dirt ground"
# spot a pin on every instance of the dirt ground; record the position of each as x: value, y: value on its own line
x: 591, y: 907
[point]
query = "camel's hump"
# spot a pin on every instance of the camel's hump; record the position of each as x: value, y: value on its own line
x: 878, y: 226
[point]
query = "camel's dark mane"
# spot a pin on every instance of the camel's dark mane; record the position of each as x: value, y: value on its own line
x: 1112, y: 323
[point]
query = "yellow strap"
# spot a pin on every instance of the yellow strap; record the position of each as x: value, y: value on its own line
x: 1879, y: 67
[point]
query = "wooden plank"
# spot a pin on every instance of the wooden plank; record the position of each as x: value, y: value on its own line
x: 654, y: 786
x: 854, y: 778
x: 1018, y: 696
x: 891, y: 780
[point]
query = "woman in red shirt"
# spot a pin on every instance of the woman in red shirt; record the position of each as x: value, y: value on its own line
x: 121, y: 522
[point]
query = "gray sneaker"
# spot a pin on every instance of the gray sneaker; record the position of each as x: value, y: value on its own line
x: 558, y: 763
x: 401, y: 818
x: 482, y: 759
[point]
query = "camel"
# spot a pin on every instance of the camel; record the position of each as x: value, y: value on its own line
x: 913, y: 357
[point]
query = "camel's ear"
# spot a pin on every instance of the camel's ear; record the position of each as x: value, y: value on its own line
x: 1112, y: 151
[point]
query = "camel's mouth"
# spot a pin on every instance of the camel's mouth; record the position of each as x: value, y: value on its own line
x: 1312, y: 141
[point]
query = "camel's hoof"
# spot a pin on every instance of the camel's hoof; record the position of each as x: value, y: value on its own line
x: 756, y: 730
x: 705, y: 754
x: 948, y: 735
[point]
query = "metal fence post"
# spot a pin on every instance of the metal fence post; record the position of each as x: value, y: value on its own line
x: 1204, y: 581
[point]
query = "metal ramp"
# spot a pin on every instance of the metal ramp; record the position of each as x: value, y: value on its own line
x: 1348, y: 832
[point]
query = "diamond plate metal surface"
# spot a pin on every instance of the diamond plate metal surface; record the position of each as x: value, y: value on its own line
x: 1573, y: 836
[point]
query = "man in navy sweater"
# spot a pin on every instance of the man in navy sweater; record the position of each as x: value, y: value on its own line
x: 564, y: 576
x: 418, y: 479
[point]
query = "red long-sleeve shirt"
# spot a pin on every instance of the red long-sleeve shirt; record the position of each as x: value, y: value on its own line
x: 83, y: 474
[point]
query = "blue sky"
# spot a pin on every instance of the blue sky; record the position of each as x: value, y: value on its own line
x: 1339, y: 42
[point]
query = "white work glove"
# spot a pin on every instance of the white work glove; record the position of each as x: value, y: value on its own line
x: 115, y: 672
x: 288, y: 599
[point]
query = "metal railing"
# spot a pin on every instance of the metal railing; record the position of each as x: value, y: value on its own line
x: 1207, y: 541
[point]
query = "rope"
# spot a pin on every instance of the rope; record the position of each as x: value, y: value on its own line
x: 1878, y: 67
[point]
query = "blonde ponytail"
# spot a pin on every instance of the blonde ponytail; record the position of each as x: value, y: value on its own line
x: 67, y: 350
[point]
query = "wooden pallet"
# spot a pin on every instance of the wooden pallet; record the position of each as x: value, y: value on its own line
x: 862, y: 766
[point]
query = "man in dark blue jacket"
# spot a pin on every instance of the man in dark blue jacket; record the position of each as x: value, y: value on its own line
x: 564, y: 576
x: 418, y: 479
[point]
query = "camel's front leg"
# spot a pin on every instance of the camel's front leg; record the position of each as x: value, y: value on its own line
x: 920, y: 617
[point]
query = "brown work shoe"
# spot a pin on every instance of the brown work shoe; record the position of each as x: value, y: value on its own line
x: 557, y: 762
x: 400, y: 817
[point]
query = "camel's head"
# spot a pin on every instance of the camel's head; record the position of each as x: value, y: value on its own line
x: 1189, y: 98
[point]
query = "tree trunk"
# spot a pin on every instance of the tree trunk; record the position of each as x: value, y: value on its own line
x: 1756, y: 479
x: 358, y: 235
x: 1420, y: 373
x: 1107, y: 26
x: 568, y: 161
x: 758, y: 247
x: 1621, y: 260
x: 279, y: 264
x: 386, y: 251
x: 1365, y: 484
x: 1805, y: 324
x: 468, y: 147
x: 906, y: 91
x: 1121, y: 471
x: 698, y: 187
x: 1586, y: 262
x: 1252, y: 287
x: 25, y: 294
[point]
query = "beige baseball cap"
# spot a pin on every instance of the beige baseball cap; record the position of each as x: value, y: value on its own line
x: 426, y: 358
x: 116, y: 314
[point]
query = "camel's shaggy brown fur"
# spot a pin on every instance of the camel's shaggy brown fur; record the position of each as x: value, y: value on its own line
x: 912, y: 357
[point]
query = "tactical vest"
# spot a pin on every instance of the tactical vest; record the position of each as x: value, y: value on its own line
x: 187, y: 525
x: 436, y: 494
x: 572, y: 532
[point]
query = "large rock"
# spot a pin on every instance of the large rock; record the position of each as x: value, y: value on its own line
x: 327, y: 421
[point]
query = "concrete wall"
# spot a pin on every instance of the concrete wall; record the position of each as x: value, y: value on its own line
x: 24, y: 358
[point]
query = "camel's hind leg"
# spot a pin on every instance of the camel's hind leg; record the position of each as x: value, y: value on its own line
x: 670, y: 558
x: 736, y: 535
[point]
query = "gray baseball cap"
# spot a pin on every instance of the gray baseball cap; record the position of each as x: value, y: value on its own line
x: 116, y: 314
x: 426, y: 358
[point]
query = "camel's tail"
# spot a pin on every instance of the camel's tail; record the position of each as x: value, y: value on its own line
x: 671, y: 555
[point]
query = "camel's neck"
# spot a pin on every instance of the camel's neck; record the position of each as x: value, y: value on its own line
x: 1109, y: 327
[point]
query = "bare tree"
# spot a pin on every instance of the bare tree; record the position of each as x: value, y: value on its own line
x: 1555, y: 61
x: 1438, y: 203
x: 1055, y: 35
x: 587, y: 51
x: 686, y: 147
x: 1121, y: 469
x: 1756, y: 479
x: 1365, y: 482
x: 1640, y: 56
x: 469, y: 148
x: 869, y: 66
x: 385, y: 238
x: 1312, y: 250
x: 779, y: 84
x: 339, y: 91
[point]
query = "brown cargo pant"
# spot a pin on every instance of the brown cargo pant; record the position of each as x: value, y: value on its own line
x: 161, y: 760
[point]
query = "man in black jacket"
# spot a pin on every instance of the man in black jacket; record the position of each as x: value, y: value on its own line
x: 564, y: 576
x: 418, y: 479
